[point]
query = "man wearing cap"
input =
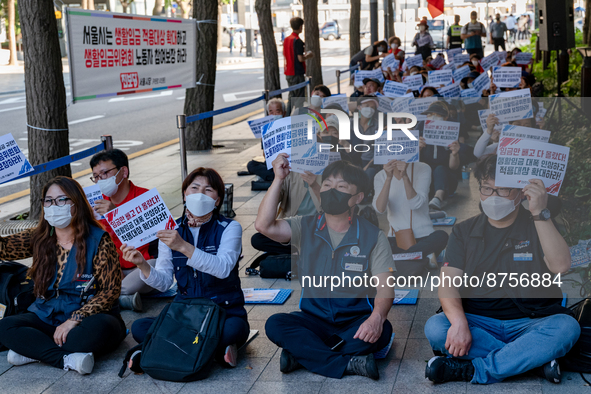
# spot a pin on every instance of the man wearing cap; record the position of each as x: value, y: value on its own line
x: 472, y: 34
x: 423, y: 40
x: 371, y: 86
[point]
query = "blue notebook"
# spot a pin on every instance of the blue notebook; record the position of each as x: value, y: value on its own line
x: 279, y: 299
x: 409, y: 299
x: 446, y: 221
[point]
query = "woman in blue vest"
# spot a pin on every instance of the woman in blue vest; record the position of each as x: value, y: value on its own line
x: 202, y: 254
x: 77, y: 284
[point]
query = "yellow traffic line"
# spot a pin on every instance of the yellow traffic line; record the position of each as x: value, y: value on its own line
x: 79, y: 174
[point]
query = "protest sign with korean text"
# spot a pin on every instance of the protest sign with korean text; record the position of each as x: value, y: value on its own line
x: 502, y: 56
x: 460, y: 59
x: 440, y: 77
x: 451, y: 53
x: 529, y: 133
x: 414, y: 82
x: 257, y: 124
x: 290, y: 135
x: 506, y: 77
x: 450, y: 91
x: 438, y: 61
x: 416, y: 60
x: 420, y: 105
x: 469, y: 96
x: 482, y: 116
x: 394, y: 89
x: 12, y: 161
x: 93, y: 193
x: 137, y: 221
x: 481, y: 83
x: 440, y: 132
x: 489, y: 61
x: 113, y: 54
x: 390, y: 61
x: 519, y: 160
x: 361, y: 75
x: 512, y: 105
x: 523, y: 58
x: 460, y: 73
x: 400, y: 147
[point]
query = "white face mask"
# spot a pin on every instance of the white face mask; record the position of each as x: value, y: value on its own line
x: 475, y: 63
x: 109, y: 186
x: 422, y: 29
x: 277, y: 117
x: 394, y: 46
x: 434, y: 117
x: 413, y: 73
x: 199, y: 204
x: 497, y: 208
x: 367, y: 112
x: 316, y: 100
x: 59, y: 217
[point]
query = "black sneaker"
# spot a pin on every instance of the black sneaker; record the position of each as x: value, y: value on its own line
x: 551, y: 372
x: 288, y: 363
x: 363, y: 366
x: 444, y: 369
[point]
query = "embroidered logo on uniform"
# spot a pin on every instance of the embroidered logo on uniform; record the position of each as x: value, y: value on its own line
x: 521, y: 245
x: 354, y: 250
x: 445, y: 264
x: 353, y: 267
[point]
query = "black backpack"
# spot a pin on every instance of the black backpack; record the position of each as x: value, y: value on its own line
x: 180, y: 344
x: 272, y: 266
x: 16, y: 291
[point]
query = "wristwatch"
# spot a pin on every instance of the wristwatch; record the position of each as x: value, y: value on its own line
x: 543, y: 216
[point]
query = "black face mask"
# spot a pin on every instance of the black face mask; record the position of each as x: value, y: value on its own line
x: 330, y: 139
x: 334, y: 202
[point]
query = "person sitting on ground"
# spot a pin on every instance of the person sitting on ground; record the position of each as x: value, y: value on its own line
x: 402, y: 190
x: 468, y: 79
x: 370, y: 55
x: 475, y: 59
x: 110, y: 171
x: 367, y: 124
x: 496, y: 331
x: 445, y: 162
x: 318, y: 93
x: 275, y: 107
x: 395, y: 43
x: 429, y: 91
x: 355, y: 318
x: 202, y: 254
x: 65, y: 327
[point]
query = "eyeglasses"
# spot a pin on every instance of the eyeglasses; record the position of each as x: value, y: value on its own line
x: 59, y: 201
x: 501, y: 192
x: 102, y: 175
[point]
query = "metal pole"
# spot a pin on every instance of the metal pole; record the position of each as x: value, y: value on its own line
x: 586, y: 78
x: 265, y: 101
x: 338, y: 72
x: 181, y: 124
x: 107, y: 141
x: 308, y: 89
x: 386, y: 19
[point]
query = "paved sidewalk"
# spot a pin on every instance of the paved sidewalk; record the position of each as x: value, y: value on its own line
x: 258, y: 370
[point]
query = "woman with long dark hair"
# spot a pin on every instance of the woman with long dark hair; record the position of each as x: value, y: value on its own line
x: 77, y: 283
x: 202, y: 255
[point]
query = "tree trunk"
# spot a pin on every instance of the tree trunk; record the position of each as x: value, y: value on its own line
x: 84, y: 4
x: 12, y: 33
x: 391, y: 32
x: 263, y: 9
x: 312, y: 40
x: 185, y: 7
x: 354, y: 28
x: 158, y: 4
x: 90, y: 4
x: 46, y: 107
x: 124, y: 5
x: 586, y: 25
x: 200, y: 98
x: 219, y: 26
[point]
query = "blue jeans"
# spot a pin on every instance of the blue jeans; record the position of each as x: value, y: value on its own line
x: 504, y: 348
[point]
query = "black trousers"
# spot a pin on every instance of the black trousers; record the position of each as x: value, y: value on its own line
x: 303, y: 335
x: 260, y: 169
x: 499, y: 42
x: 432, y: 243
x: 267, y: 245
x: 31, y: 337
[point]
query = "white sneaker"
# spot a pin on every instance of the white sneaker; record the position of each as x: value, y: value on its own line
x: 79, y: 362
x: 433, y: 261
x: 131, y: 302
x: 16, y: 359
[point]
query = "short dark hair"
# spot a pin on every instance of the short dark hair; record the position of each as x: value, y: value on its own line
x: 486, y: 168
x: 351, y: 173
x: 324, y: 89
x: 296, y: 23
x: 117, y: 156
x: 213, y: 178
